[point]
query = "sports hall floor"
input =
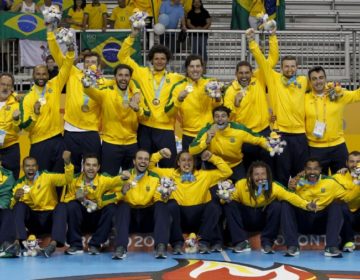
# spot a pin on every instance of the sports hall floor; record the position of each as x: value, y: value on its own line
x: 225, y: 265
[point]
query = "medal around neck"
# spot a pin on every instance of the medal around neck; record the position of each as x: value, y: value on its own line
x: 156, y: 101
x: 85, y: 108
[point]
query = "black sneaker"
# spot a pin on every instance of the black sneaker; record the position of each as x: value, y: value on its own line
x: 177, y: 250
x: 217, y: 248
x: 243, y: 246
x: 267, y: 249
x: 292, y: 251
x: 204, y: 248
x: 160, y: 251
x: 74, y: 250
x: 333, y: 252
x: 10, y: 250
x: 120, y: 253
x: 93, y: 250
x: 48, y: 250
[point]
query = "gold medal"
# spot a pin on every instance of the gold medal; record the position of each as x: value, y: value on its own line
x: 156, y: 101
x: 85, y: 108
x: 42, y: 101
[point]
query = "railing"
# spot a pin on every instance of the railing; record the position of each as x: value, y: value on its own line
x: 337, y: 52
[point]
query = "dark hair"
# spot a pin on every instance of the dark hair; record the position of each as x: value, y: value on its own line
x: 251, y: 184
x: 288, y: 57
x: 243, y: 63
x: 354, y: 153
x: 49, y: 57
x: 193, y: 57
x: 93, y: 54
x: 313, y: 159
x: 11, y: 76
x: 123, y: 66
x: 159, y: 49
x: 178, y: 158
x: 201, y: 6
x: 316, y: 69
x: 91, y: 155
x: 28, y: 158
x: 221, y: 108
x: 82, y: 6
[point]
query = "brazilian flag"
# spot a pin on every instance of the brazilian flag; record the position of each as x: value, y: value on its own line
x: 107, y: 45
x: 22, y: 26
x: 241, y: 10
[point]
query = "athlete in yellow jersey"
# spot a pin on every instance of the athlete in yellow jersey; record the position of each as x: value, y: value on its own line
x: 41, y: 116
x: 188, y: 99
x: 9, y: 125
x: 191, y: 201
x: 313, y: 186
x: 87, y: 204
x: 287, y: 99
x: 324, y: 116
x: 35, y: 203
x: 349, y: 177
x: 122, y: 108
x: 157, y: 131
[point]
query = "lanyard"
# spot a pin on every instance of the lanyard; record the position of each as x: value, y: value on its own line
x: 158, y: 88
x: 317, y: 110
x: 42, y: 92
x: 125, y: 96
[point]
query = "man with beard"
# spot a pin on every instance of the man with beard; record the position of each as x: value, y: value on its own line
x: 90, y: 206
x: 190, y: 205
x: 35, y: 203
x: 190, y: 100
x: 225, y: 139
x: 324, y: 116
x: 122, y: 106
x: 312, y: 186
x: 246, y: 98
x: 41, y: 114
x: 287, y: 99
x: 157, y: 131
x: 82, y: 114
x: 9, y: 125
x: 142, y: 208
x: 350, y: 178
x: 256, y: 205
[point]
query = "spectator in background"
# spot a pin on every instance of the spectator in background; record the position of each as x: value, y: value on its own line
x: 5, y: 5
x: 199, y: 18
x: 76, y: 15
x: 95, y: 15
x: 47, y: 4
x: 119, y: 18
x: 175, y: 11
x: 53, y: 69
x: 26, y: 6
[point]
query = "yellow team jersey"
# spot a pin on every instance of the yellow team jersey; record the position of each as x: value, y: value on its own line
x: 120, y: 16
x: 40, y: 194
x: 119, y: 121
x: 227, y: 143
x: 321, y: 109
x: 151, y: 82
x: 77, y: 16
x: 257, y: 7
x: 196, y: 110
x: 279, y: 192
x: 103, y: 190
x: 352, y: 197
x: 196, y: 192
x: 8, y: 126
x: 143, y: 191
x: 95, y: 14
x: 325, y: 191
x: 6, y: 185
x: 49, y: 122
x: 287, y: 97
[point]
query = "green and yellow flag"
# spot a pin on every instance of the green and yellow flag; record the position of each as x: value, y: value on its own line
x: 242, y: 8
x: 22, y: 26
x: 107, y: 45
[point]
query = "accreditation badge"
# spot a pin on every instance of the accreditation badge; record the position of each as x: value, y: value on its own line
x: 319, y: 129
x: 2, y: 137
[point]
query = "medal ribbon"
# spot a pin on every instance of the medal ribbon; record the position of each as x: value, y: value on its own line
x: 158, y: 88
